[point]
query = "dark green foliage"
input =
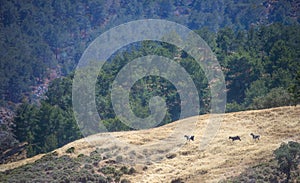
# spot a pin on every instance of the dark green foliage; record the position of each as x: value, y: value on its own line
x: 240, y: 75
x: 115, y: 172
x: 131, y: 171
x: 80, y: 155
x: 107, y: 170
x: 257, y: 89
x: 70, y: 150
x: 40, y: 37
x: 49, y: 125
x: 288, y: 157
x: 262, y: 65
x: 275, y: 98
x: 233, y: 107
x: 124, y: 170
x: 96, y: 156
x: 146, y: 88
x: 294, y: 89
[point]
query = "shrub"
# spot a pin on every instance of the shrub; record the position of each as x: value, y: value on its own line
x: 95, y: 153
x: 125, y: 181
x: 124, y: 170
x: 233, y: 107
x: 119, y: 159
x: 95, y: 163
x: 107, y: 155
x: 70, y: 150
x: 108, y: 170
x: 131, y: 171
x: 88, y: 166
x: 288, y: 157
x: 47, y: 157
x: 80, y: 155
x: 275, y: 98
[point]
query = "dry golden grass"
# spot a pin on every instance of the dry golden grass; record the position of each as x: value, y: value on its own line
x: 220, y: 159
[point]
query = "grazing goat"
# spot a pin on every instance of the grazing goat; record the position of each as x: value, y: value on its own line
x: 235, y: 138
x: 255, y: 136
x: 189, y: 137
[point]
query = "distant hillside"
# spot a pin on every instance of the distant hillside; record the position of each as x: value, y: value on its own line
x: 220, y: 160
x: 40, y: 38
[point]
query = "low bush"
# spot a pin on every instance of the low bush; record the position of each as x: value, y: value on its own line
x: 125, y: 181
x: 124, y: 169
x: 131, y: 171
x: 119, y: 159
x: 177, y: 180
x: 107, y: 170
x: 70, y: 150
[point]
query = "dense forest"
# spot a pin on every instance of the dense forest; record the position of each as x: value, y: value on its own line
x: 256, y: 43
x: 40, y: 39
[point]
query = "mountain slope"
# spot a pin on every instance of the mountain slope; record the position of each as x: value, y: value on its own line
x: 147, y: 150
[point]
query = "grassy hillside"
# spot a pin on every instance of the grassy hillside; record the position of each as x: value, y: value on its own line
x: 220, y: 160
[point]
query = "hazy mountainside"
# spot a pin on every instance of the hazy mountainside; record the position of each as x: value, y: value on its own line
x: 38, y: 38
x: 102, y: 155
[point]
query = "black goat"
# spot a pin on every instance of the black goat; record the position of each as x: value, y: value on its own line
x: 189, y: 137
x: 235, y: 138
x: 255, y: 136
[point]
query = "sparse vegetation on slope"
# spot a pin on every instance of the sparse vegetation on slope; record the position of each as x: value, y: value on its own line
x: 54, y: 168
